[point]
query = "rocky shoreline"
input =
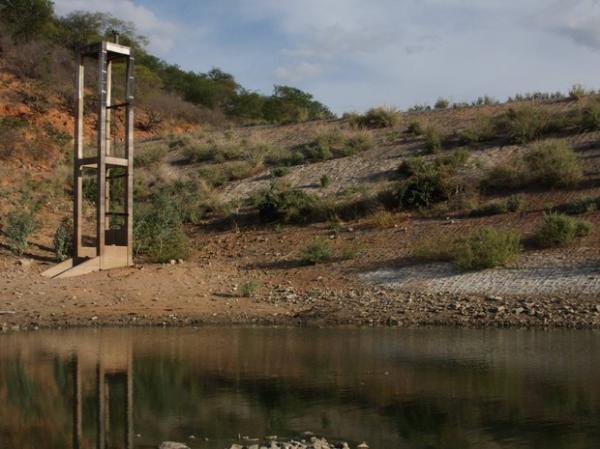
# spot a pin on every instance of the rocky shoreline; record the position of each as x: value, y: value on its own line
x: 371, y: 306
x: 307, y: 441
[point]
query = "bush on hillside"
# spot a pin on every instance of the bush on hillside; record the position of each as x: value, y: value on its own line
x: 560, y: 230
x: 433, y: 140
x: 483, y: 129
x: 150, y: 155
x: 18, y: 227
x: 581, y: 206
x: 248, y: 289
x: 357, y: 143
x: 577, y: 92
x: 377, y: 118
x: 420, y: 191
x: 325, y: 181
x: 158, y: 231
x: 416, y: 128
x: 279, y: 204
x: 526, y: 124
x: 590, y: 116
x: 429, y: 181
x: 319, y: 251
x: 334, y: 144
x: 513, y: 203
x: 63, y: 240
x: 442, y: 103
x: 487, y: 248
x: 279, y: 172
x: 546, y: 164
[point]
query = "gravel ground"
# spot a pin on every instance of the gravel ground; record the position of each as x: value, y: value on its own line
x: 577, y: 280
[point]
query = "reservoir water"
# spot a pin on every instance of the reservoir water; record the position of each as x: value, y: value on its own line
x: 393, y: 388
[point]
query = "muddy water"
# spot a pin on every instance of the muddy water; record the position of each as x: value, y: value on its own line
x: 426, y: 388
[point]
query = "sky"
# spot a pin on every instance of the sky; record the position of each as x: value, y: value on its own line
x: 355, y: 54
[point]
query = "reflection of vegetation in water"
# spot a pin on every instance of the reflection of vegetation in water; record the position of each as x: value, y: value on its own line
x: 21, y: 389
x: 254, y: 389
x: 33, y: 411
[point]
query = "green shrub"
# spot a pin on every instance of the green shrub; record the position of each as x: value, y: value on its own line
x: 420, y: 191
x: 318, y: 152
x: 280, y: 172
x: 527, y: 124
x: 319, y: 251
x: 330, y: 138
x: 493, y: 208
x: 553, y: 164
x: 515, y: 203
x: 442, y: 103
x: 433, y: 140
x: 560, y: 230
x: 150, y: 155
x: 179, y: 141
x: 236, y: 170
x: 59, y: 137
x: 577, y: 92
x: 88, y: 188
x: 19, y: 226
x: 197, y: 153
x: 214, y: 175
x: 248, y: 289
x: 357, y: 143
x: 590, y: 116
x: 191, y: 200
x: 487, y: 248
x: 63, y: 240
x: 483, y: 129
x: 416, y: 128
x: 289, y: 206
x: 356, y: 249
x: 296, y: 158
x: 412, y: 166
x: 429, y: 182
x: 325, y: 181
x: 377, y: 118
x: 581, y: 206
x: 158, y: 232
x: 454, y: 160
x: 546, y: 164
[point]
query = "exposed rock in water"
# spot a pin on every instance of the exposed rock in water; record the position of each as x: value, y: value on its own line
x: 308, y: 442
x: 172, y: 445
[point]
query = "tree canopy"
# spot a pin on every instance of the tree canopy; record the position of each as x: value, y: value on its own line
x: 35, y: 20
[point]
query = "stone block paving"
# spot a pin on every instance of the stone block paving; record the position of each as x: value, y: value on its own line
x: 573, y: 280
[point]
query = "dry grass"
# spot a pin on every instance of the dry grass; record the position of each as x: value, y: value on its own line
x: 384, y: 219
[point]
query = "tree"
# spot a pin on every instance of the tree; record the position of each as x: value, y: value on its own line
x: 26, y: 19
x: 289, y: 105
x: 81, y: 28
x: 246, y: 104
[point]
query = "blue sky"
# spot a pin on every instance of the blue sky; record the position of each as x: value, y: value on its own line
x: 354, y: 54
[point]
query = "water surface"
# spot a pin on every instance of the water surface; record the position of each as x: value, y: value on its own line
x: 425, y: 388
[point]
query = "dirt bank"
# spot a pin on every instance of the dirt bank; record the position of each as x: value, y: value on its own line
x: 364, y: 291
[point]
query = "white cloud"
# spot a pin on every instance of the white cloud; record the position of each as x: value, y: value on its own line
x: 579, y: 20
x: 162, y: 34
x: 298, y: 72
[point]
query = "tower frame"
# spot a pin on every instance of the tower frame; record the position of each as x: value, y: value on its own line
x: 113, y: 244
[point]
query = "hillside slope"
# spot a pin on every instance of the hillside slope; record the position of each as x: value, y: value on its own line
x: 248, y: 267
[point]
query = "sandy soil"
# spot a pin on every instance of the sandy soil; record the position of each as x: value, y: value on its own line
x: 205, y: 289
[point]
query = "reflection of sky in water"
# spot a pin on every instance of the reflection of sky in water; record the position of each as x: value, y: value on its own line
x: 425, y: 388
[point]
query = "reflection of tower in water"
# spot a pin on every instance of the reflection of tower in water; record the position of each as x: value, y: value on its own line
x: 109, y: 374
